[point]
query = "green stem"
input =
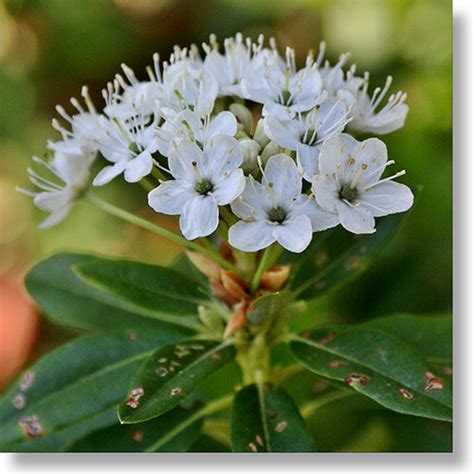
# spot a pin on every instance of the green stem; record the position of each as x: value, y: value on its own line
x: 138, y: 221
x: 211, y: 407
x: 309, y: 408
x: 158, y: 174
x: 146, y: 184
x: 269, y: 257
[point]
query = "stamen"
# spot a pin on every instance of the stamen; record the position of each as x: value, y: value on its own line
x: 390, y: 178
x: 362, y: 168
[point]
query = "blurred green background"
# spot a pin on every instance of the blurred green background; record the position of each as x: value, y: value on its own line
x: 49, y: 48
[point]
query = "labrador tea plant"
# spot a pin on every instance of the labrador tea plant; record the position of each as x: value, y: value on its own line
x: 277, y: 204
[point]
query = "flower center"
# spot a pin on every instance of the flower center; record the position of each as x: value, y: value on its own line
x: 204, y: 187
x: 309, y: 137
x: 285, y: 97
x: 134, y: 148
x: 277, y: 214
x: 348, y: 192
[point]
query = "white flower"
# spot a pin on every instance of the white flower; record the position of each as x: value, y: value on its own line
x: 88, y: 127
x: 306, y: 134
x: 129, y: 146
x: 190, y: 125
x: 58, y: 199
x: 228, y: 68
x: 186, y: 86
x: 279, y: 86
x: 137, y: 97
x: 366, y: 118
x: 276, y: 210
x: 349, y: 183
x: 204, y: 180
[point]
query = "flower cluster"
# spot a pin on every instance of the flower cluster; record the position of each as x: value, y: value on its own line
x: 240, y: 136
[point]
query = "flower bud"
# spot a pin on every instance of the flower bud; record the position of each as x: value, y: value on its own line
x: 271, y: 149
x: 275, y: 278
x: 205, y: 265
x: 243, y: 115
x: 259, y: 136
x: 250, y: 149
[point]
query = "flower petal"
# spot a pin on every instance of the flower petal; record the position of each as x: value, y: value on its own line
x: 306, y: 86
x: 107, y: 174
x: 170, y: 197
x: 251, y: 236
x: 200, y: 217
x: 185, y: 157
x: 387, y: 198
x: 228, y: 189
x: 223, y: 156
x: 138, y: 167
x: 335, y: 153
x: 52, y: 200
x: 326, y: 192
x: 320, y: 219
x: 283, y: 178
x: 252, y: 202
x: 56, y: 216
x: 294, y: 234
x: 372, y: 154
x: 307, y: 158
x: 283, y: 132
x: 224, y: 123
x: 357, y: 220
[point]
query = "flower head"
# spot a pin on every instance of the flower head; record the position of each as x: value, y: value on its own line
x: 204, y: 179
x: 279, y: 86
x: 129, y: 146
x: 230, y: 67
x: 70, y: 176
x: 350, y: 186
x: 366, y: 117
x: 190, y: 125
x: 276, y: 210
x: 305, y: 134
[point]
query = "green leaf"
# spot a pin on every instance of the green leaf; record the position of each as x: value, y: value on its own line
x: 65, y: 299
x: 144, y: 288
x: 72, y: 385
x: 430, y: 335
x: 378, y: 366
x: 143, y: 436
x: 267, y: 420
x: 206, y: 444
x: 61, y: 440
x: 170, y: 375
x: 337, y: 255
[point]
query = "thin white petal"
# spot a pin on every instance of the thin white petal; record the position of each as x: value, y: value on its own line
x: 251, y: 203
x: 200, y: 217
x: 307, y: 158
x: 108, y: 173
x: 320, y: 219
x: 251, y: 236
x: 230, y: 188
x: 224, y: 123
x: 185, y: 159
x: 283, y: 132
x: 170, y: 197
x: 223, y: 155
x: 387, y: 198
x: 335, y: 152
x: 326, y: 192
x: 138, y: 167
x: 357, y: 220
x: 294, y: 234
x: 283, y: 178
